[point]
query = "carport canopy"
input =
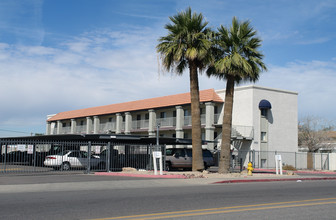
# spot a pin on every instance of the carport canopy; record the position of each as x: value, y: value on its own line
x: 120, y: 138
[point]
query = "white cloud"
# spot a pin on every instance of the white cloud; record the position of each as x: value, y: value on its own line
x: 42, y: 80
x: 314, y: 41
x: 105, y: 67
x: 37, y: 80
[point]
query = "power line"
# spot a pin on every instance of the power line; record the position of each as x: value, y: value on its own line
x: 21, y: 132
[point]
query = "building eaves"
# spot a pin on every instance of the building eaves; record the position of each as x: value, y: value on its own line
x: 208, y: 95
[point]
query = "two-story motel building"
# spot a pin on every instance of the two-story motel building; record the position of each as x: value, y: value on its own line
x: 264, y: 119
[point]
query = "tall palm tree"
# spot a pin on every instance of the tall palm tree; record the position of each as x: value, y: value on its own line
x: 186, y: 46
x: 237, y: 59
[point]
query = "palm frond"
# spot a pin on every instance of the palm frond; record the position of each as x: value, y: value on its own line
x: 188, y: 40
x: 237, y: 53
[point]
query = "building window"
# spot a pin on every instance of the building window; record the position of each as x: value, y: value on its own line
x: 138, y: 117
x: 186, y: 112
x: 216, y: 109
x: 146, y: 116
x: 63, y: 124
x: 82, y: 122
x: 174, y: 135
x: 185, y: 135
x: 163, y: 114
x: 174, y: 114
x: 263, y: 136
x: 110, y: 119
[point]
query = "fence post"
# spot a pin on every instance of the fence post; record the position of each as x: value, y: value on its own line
x: 164, y: 157
x: 241, y: 164
x: 253, y: 158
x: 150, y: 156
x: 34, y: 156
x: 295, y: 160
x: 328, y: 161
x: 88, y: 157
x: 108, y: 156
x: 5, y: 169
x: 62, y: 157
x: 259, y: 160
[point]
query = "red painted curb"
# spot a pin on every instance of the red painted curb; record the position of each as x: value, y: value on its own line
x: 315, y: 172
x: 142, y: 175
x: 298, y: 171
x: 274, y: 180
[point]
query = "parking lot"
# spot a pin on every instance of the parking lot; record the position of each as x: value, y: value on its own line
x: 73, y: 153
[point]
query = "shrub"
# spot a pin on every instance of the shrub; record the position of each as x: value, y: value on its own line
x: 288, y: 167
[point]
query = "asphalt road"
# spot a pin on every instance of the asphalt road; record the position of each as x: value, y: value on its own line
x: 95, y: 197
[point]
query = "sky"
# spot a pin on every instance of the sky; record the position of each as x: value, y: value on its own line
x: 64, y: 55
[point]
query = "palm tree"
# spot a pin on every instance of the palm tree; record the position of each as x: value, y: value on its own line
x: 186, y: 46
x: 237, y: 59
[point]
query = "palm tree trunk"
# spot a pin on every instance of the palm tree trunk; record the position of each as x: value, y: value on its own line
x: 197, y: 156
x: 224, y: 160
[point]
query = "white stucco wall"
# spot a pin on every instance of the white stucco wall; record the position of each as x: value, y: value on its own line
x: 283, y: 117
x: 242, y: 105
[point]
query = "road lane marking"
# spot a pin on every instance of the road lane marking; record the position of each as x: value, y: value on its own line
x: 10, y: 169
x: 235, y: 210
x: 224, y: 209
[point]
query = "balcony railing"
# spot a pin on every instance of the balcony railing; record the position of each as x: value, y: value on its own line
x: 238, y: 131
x: 166, y: 122
x: 80, y: 129
x: 106, y: 127
x: 203, y: 120
x: 140, y: 124
x: 187, y: 120
x: 65, y: 130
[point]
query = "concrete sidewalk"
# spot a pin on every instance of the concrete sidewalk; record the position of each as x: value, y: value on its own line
x: 260, y: 175
x: 142, y: 179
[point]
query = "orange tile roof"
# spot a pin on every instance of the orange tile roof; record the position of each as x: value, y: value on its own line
x: 165, y: 101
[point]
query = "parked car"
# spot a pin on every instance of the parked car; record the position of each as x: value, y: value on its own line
x: 103, y: 157
x: 40, y: 156
x: 182, y: 158
x: 17, y: 157
x: 70, y: 159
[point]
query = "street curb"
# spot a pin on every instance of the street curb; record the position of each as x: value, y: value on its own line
x: 142, y: 175
x: 298, y: 171
x: 274, y: 180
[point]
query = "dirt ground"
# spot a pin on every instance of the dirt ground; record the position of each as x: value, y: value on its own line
x: 204, y: 174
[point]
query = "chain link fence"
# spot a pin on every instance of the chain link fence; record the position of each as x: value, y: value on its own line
x: 266, y: 159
